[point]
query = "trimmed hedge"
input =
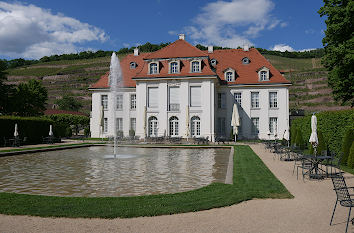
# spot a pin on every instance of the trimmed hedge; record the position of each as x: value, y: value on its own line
x: 33, y: 128
x: 332, y: 124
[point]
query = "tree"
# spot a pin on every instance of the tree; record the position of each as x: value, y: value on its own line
x: 30, y: 99
x: 68, y: 103
x: 339, y: 47
x: 6, y: 91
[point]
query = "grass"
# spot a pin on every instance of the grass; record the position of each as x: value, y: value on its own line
x: 285, y: 63
x: 252, y: 179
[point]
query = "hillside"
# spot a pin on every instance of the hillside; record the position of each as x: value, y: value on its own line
x: 309, y: 90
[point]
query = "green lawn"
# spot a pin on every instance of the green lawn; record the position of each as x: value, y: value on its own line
x: 252, y: 179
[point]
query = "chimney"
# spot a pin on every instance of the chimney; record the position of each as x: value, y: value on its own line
x: 246, y: 47
x: 181, y: 36
x: 210, y: 49
x: 136, y: 52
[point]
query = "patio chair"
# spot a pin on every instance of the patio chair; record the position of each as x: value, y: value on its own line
x: 343, y: 196
x: 306, y: 166
x: 335, y: 163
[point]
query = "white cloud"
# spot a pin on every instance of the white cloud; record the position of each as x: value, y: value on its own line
x: 32, y: 32
x: 232, y: 23
x: 282, y: 48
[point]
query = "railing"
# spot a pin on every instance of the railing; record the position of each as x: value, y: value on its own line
x: 173, y: 107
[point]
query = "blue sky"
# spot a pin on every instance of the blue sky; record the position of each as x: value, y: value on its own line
x: 36, y: 28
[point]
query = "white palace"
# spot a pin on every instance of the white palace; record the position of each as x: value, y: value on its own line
x: 181, y: 91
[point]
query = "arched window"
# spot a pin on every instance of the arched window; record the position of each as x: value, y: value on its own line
x: 153, y: 68
x: 153, y: 126
x: 229, y: 76
x: 173, y: 126
x: 195, y: 126
x: 173, y: 67
x: 195, y: 66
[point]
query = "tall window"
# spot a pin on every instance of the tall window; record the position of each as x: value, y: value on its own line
x: 229, y: 76
x: 105, y: 125
x: 133, y: 101
x: 238, y: 98
x: 264, y: 76
x: 195, y: 126
x: 153, y: 100
x: 173, y: 99
x: 195, y: 96
x: 119, y: 124
x: 173, y: 126
x: 255, y: 125
x: 153, y: 126
x: 273, y: 125
x: 195, y: 66
x: 153, y: 68
x: 273, y: 100
x: 221, y: 100
x: 104, y: 101
x: 133, y: 124
x: 173, y: 67
x: 221, y: 125
x: 119, y: 102
x: 254, y: 99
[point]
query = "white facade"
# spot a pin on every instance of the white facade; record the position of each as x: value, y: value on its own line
x: 184, y: 105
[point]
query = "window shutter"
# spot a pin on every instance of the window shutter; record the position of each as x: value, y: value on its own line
x: 195, y: 96
x: 153, y: 97
x: 174, y: 95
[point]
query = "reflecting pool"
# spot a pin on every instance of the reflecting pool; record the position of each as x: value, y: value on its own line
x: 90, y: 172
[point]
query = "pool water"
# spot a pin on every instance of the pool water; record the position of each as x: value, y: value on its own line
x: 93, y: 171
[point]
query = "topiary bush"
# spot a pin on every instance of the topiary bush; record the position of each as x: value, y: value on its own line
x: 347, y: 142
x: 299, y: 140
x: 350, y: 162
x: 293, y: 133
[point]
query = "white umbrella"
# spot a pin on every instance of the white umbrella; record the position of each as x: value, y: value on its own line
x: 235, y: 120
x: 313, y: 138
x: 16, y: 132
x: 187, y: 123
x: 101, y: 120
x: 50, y: 130
x: 144, y: 126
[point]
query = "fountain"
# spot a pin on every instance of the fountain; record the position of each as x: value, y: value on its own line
x: 115, y: 79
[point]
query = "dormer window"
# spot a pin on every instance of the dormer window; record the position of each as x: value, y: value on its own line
x: 229, y: 75
x: 174, y: 67
x: 245, y: 60
x: 132, y: 65
x: 263, y: 74
x: 153, y: 68
x: 195, y: 66
x: 213, y: 62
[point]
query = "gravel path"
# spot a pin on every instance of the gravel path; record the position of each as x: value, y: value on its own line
x: 309, y: 211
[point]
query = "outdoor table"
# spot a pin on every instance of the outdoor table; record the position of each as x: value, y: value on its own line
x: 314, y: 171
x: 15, y: 141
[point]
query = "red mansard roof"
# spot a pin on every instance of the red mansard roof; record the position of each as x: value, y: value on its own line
x: 228, y: 58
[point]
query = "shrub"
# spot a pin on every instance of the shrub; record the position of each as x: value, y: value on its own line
x: 346, y: 145
x: 333, y: 125
x: 87, y: 132
x: 299, y: 140
x: 293, y: 133
x: 350, y: 161
x: 68, y: 132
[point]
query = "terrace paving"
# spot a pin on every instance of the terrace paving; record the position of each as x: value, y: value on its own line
x: 309, y: 211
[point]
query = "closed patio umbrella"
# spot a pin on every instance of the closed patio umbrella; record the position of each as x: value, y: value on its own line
x: 313, y: 138
x: 187, y: 123
x: 235, y: 120
x: 50, y: 130
x: 16, y: 131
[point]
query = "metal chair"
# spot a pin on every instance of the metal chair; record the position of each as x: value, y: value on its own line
x: 335, y: 163
x: 306, y: 166
x: 343, y: 196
